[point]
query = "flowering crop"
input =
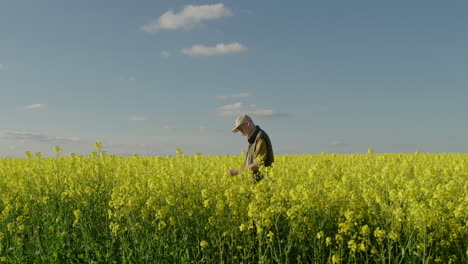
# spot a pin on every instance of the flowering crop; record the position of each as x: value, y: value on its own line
x: 328, y: 208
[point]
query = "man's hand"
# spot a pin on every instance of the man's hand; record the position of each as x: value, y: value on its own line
x: 234, y: 172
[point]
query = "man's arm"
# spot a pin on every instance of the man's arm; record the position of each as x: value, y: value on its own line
x: 251, y: 166
x: 260, y: 155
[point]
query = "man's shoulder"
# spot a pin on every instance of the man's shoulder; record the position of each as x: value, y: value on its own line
x: 260, y: 140
x: 262, y: 134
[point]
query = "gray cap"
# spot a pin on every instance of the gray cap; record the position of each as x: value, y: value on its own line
x: 240, y: 120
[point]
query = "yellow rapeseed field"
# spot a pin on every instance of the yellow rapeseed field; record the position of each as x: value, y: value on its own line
x: 325, y: 208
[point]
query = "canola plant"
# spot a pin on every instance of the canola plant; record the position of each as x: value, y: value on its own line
x: 324, y: 208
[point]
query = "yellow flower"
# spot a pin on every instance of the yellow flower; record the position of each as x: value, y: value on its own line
x: 259, y: 230
x: 336, y: 259
x: 77, y: 213
x: 172, y: 220
x: 270, y: 236
x: 365, y: 230
x: 162, y: 224
x: 379, y: 233
x: 114, y: 227
x: 362, y: 247
x: 203, y: 244
x: 453, y: 259
x: 393, y: 236
x: 320, y: 235
x: 242, y: 228
x: 328, y: 241
x: 352, y: 245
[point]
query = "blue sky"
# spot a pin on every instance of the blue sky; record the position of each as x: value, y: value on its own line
x: 319, y: 76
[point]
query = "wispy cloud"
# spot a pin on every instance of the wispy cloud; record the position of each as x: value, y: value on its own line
x: 172, y: 128
x: 34, y: 106
x: 189, y: 17
x: 202, y: 129
x: 3, y: 67
x: 139, y: 118
x: 237, y: 96
x: 247, y: 11
x: 242, y: 108
x: 219, y: 49
x: 131, y: 78
x: 166, y: 53
x: 210, y: 129
x: 36, y: 137
x: 338, y: 143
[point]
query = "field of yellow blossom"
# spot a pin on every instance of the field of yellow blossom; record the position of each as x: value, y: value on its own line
x: 324, y: 208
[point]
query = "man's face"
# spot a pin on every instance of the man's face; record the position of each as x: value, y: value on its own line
x: 243, y: 128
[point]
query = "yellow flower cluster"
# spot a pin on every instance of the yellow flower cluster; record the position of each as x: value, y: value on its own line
x: 326, y: 208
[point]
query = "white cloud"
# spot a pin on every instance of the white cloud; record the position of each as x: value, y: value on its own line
x: 34, y: 106
x: 210, y: 129
x: 165, y: 53
x: 131, y: 78
x: 36, y: 137
x: 139, y: 118
x: 189, y: 17
x: 338, y: 143
x: 241, y: 95
x: 237, y: 96
x: 242, y: 108
x: 3, y: 67
x: 219, y: 49
x: 172, y: 128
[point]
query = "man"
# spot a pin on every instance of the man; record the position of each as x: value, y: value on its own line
x: 260, y: 150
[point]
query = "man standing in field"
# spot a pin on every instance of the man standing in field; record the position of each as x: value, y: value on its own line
x: 260, y: 150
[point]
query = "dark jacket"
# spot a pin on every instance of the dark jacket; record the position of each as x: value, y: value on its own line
x: 266, y: 151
